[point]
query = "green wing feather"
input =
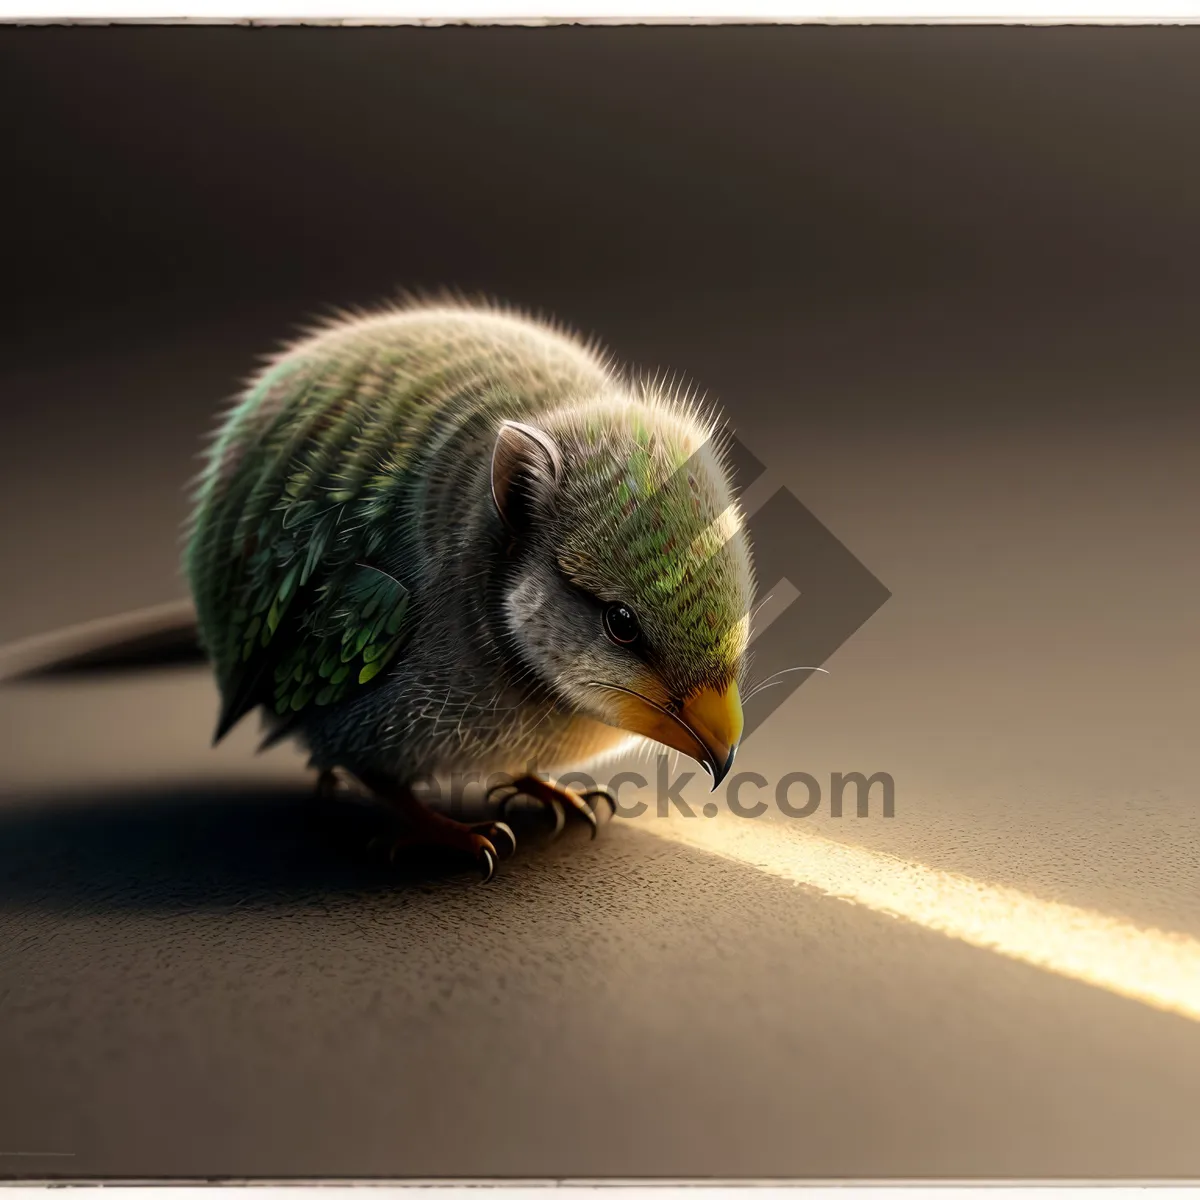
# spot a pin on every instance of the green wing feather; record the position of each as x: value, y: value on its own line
x: 310, y: 618
x: 356, y: 635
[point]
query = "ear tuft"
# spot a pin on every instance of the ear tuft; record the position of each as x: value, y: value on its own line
x: 523, y: 458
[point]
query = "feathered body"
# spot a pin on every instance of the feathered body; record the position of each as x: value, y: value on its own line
x: 352, y: 575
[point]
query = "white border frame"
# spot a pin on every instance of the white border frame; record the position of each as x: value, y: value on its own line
x: 604, y: 12
x: 601, y: 13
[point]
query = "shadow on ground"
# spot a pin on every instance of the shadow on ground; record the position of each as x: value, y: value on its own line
x: 175, y: 848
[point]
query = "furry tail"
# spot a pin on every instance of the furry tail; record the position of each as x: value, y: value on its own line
x: 163, y: 636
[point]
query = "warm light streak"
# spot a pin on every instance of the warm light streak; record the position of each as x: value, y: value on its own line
x: 1155, y: 967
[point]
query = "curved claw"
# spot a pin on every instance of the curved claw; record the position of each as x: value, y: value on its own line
x: 503, y: 786
x: 602, y: 793
x: 560, y: 817
x: 487, y: 859
x: 589, y: 816
x: 502, y: 837
x: 554, y: 806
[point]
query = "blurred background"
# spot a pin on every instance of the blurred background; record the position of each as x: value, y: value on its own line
x: 944, y: 283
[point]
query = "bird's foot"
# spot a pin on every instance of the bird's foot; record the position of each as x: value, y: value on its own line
x: 557, y: 800
x: 486, y: 843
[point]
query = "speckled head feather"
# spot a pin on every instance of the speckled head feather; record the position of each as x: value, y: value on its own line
x: 645, y: 516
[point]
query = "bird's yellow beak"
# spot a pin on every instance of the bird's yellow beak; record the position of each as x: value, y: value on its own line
x: 707, y: 727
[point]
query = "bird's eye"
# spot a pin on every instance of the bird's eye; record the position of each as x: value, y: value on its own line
x: 621, y: 624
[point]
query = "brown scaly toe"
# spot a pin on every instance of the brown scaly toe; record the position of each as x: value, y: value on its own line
x: 504, y: 794
x: 559, y: 800
x: 424, y: 828
x: 487, y: 844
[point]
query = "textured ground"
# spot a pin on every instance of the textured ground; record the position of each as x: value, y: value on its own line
x: 199, y: 977
x: 943, y: 283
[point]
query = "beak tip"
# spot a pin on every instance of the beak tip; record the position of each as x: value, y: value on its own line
x: 720, y: 772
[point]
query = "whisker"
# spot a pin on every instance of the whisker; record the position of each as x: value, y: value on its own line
x: 755, y: 610
x: 773, y: 679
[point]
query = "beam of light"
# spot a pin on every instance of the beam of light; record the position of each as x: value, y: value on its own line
x: 1155, y: 967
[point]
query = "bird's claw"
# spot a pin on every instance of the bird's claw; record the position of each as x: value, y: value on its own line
x: 554, y: 807
x: 488, y: 844
x: 602, y: 793
x: 504, y: 785
x: 501, y: 837
x: 487, y: 860
x: 586, y: 811
x: 508, y: 791
x: 555, y: 799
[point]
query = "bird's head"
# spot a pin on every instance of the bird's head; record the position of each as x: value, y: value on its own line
x: 630, y: 580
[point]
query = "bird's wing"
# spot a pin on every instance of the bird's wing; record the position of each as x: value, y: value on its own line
x: 316, y: 646
x: 316, y: 608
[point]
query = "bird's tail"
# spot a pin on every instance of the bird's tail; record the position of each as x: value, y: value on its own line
x: 148, y: 638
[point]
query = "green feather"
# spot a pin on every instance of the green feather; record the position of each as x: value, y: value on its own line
x: 370, y: 671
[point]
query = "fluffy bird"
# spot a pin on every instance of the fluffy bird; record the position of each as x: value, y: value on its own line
x: 449, y: 537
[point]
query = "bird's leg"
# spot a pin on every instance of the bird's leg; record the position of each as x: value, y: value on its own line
x: 486, y: 843
x: 559, y: 800
x: 334, y: 785
x: 328, y: 785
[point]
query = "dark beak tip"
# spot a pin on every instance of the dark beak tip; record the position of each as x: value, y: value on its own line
x: 719, y: 773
